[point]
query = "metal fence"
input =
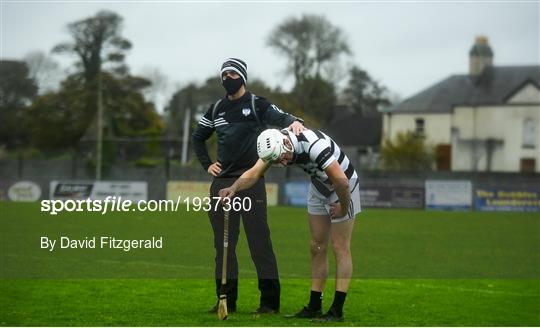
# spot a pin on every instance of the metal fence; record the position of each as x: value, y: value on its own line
x: 41, y: 172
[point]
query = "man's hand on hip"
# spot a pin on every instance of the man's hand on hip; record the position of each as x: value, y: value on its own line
x: 214, y: 169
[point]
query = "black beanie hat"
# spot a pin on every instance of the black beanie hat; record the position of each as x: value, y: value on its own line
x: 237, y: 65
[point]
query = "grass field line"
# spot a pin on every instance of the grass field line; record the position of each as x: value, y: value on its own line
x: 459, y: 289
x: 179, y: 266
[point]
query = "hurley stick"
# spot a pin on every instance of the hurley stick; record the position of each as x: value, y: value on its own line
x: 222, y: 308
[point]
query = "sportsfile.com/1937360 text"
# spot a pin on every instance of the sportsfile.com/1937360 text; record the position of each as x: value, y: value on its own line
x: 117, y: 204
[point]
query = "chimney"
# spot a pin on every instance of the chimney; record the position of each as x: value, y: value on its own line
x: 480, y: 56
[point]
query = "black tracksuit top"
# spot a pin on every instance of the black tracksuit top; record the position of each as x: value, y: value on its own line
x: 237, y: 131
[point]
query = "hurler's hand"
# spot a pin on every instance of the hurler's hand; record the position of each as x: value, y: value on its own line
x: 226, y: 193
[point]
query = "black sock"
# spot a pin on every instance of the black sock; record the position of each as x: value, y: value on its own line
x: 337, y: 305
x: 315, y: 301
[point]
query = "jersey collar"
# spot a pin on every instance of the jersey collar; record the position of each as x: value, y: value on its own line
x: 247, y: 95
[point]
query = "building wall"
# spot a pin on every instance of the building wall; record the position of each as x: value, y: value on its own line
x: 436, y: 126
x: 504, y: 125
x: 469, y: 128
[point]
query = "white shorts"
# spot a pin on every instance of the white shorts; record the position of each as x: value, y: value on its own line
x: 319, y: 204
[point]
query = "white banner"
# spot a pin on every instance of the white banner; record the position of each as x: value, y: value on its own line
x: 24, y: 191
x: 448, y: 194
x: 128, y: 190
x: 132, y: 190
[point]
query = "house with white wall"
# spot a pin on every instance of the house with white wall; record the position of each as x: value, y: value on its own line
x: 486, y: 120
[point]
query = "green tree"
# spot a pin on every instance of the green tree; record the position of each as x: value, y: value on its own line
x: 97, y: 41
x: 315, y: 97
x: 365, y: 95
x: 408, y: 152
x: 309, y: 43
x: 128, y: 113
x: 17, y: 90
x: 60, y: 119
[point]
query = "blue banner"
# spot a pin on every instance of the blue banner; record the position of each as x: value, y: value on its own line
x: 507, y: 200
x: 296, y: 193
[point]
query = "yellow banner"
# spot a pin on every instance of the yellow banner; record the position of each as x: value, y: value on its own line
x: 202, y: 189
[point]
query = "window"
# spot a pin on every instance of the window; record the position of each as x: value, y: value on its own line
x: 529, y: 133
x: 419, y: 126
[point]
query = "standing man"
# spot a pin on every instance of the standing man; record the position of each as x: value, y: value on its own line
x: 238, y: 119
x: 333, y: 202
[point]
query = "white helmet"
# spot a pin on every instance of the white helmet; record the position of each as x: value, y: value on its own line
x: 270, y: 145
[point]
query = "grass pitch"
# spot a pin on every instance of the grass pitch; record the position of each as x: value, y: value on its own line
x: 412, y: 268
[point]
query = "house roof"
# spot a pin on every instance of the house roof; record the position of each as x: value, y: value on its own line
x: 492, y: 87
x: 355, y: 130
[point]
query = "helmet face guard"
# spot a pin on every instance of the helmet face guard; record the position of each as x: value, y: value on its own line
x: 271, y: 145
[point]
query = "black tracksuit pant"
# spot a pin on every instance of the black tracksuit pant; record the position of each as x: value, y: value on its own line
x: 258, y: 238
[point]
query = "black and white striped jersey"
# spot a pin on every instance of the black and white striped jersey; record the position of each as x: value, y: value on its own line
x: 314, y: 151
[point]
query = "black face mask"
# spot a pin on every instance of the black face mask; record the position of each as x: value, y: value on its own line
x: 232, y: 85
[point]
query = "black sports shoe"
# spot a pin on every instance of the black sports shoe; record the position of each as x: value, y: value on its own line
x: 230, y: 308
x: 330, y: 316
x: 306, y: 312
x: 263, y: 309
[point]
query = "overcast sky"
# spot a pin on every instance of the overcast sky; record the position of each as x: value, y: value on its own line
x: 407, y: 46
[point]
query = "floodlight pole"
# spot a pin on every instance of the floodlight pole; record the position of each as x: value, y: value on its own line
x: 99, y: 139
